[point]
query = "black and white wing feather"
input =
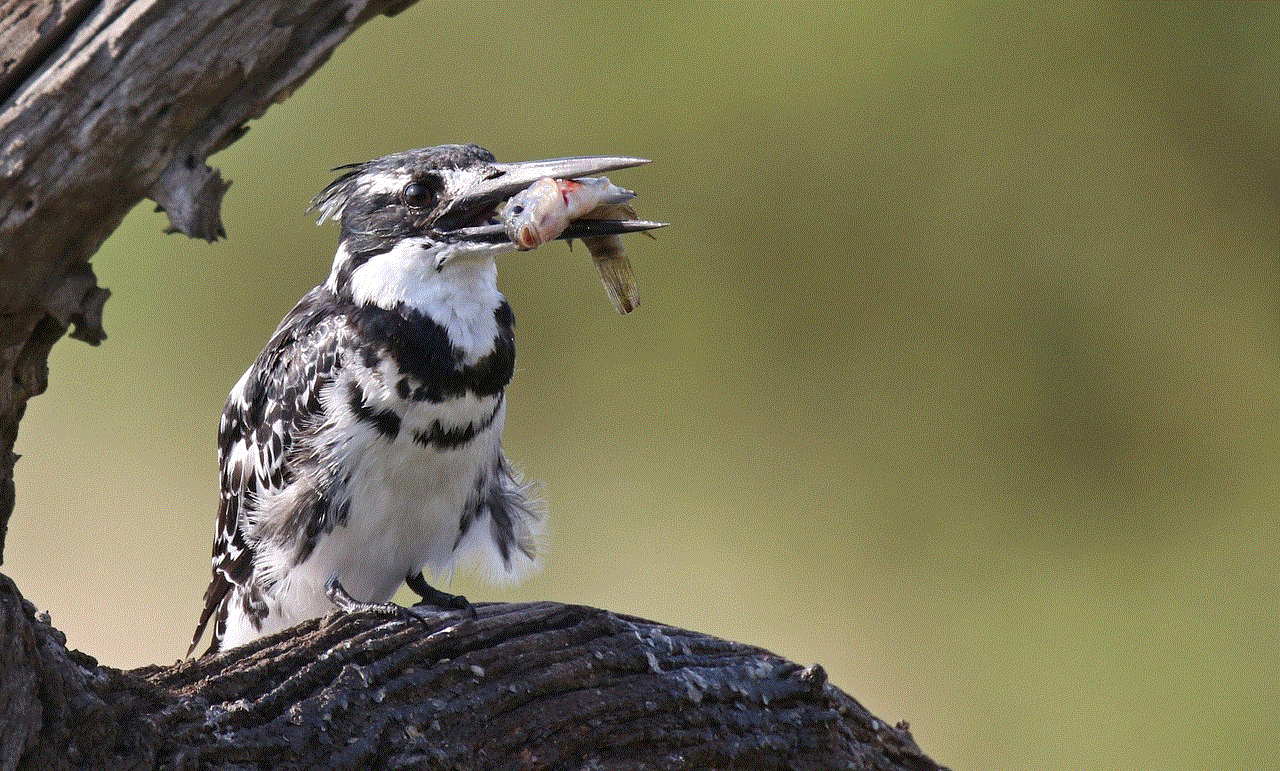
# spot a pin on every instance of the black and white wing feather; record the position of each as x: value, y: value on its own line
x: 268, y: 417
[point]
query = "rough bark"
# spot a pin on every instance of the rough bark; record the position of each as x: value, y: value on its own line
x: 103, y: 104
x: 533, y: 686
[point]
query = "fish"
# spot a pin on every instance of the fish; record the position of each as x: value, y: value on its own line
x: 542, y: 211
x: 611, y: 261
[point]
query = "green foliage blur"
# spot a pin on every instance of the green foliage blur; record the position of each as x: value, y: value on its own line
x: 957, y: 371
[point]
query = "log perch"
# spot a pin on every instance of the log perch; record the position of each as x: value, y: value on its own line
x: 523, y: 686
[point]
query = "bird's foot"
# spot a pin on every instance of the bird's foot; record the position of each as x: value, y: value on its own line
x: 429, y: 609
x: 434, y: 598
x: 342, y: 600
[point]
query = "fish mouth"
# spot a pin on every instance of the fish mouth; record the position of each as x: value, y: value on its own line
x: 472, y: 215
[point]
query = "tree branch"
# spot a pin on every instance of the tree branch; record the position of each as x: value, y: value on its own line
x: 530, y: 686
x: 105, y: 104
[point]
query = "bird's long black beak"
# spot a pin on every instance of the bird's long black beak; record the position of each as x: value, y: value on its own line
x: 457, y: 221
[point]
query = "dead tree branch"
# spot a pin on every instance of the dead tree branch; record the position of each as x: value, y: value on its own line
x: 107, y: 103
x: 537, y: 686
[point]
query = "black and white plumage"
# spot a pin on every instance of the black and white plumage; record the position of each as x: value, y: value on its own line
x: 363, y: 447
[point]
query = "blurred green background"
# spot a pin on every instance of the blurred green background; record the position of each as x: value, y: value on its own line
x: 957, y: 371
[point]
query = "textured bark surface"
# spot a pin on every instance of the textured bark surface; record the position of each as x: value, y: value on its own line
x: 535, y: 686
x: 103, y: 104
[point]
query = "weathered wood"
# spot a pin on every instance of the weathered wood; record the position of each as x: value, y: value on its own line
x: 529, y: 686
x: 103, y: 104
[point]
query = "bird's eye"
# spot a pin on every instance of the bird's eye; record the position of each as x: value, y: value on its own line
x: 419, y: 195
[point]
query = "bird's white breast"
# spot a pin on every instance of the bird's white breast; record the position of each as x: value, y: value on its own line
x: 406, y: 499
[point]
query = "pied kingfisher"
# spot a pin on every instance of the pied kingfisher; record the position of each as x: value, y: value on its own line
x: 364, y: 444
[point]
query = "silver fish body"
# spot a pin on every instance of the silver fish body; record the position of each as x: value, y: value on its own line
x: 542, y: 211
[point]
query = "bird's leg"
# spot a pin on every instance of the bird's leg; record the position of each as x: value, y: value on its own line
x: 436, y: 598
x: 342, y: 600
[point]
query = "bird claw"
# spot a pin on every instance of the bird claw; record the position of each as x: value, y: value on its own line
x: 434, y: 603
x: 343, y: 601
x: 434, y: 598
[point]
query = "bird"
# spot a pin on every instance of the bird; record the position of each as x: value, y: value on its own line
x: 362, y: 450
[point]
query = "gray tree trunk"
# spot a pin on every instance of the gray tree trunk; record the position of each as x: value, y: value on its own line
x: 107, y: 103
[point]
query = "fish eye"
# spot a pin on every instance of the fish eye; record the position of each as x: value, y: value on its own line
x: 418, y: 195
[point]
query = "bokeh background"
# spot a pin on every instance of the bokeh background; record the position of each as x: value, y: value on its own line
x: 957, y: 372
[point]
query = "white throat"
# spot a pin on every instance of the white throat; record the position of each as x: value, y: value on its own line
x: 460, y: 296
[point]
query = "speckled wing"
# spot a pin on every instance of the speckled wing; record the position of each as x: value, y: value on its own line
x: 274, y: 405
